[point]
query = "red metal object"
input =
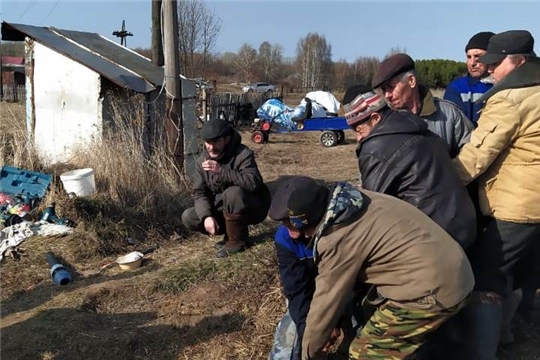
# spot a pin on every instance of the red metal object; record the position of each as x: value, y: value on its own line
x: 12, y: 61
x: 265, y: 126
x: 257, y: 137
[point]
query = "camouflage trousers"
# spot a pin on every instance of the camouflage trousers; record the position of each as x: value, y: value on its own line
x: 395, y: 333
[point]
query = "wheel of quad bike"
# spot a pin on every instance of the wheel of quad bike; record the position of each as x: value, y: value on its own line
x: 340, y: 136
x: 257, y: 137
x: 329, y: 138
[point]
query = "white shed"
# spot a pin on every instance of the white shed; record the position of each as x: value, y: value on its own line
x: 69, y: 76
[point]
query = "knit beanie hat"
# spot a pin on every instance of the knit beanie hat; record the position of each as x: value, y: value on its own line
x: 307, y: 206
x: 479, y: 41
x: 362, y: 106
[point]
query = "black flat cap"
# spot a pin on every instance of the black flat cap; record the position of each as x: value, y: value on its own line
x: 507, y: 43
x: 307, y: 206
x: 479, y: 41
x: 391, y: 67
x: 214, y: 129
x: 353, y: 91
x: 278, y: 208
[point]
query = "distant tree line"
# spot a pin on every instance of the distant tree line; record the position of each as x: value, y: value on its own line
x: 438, y: 73
x: 311, y: 68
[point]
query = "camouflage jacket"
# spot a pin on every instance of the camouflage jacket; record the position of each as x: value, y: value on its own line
x: 377, y: 239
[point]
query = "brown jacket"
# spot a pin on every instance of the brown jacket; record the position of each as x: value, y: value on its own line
x: 397, y: 248
x: 504, y: 152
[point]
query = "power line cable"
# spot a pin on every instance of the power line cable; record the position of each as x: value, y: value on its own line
x: 28, y: 7
x: 50, y: 12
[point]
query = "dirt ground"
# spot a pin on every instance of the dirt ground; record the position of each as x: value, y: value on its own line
x: 182, y: 303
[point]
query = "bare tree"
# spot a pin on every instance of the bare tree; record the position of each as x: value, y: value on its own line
x: 313, y: 60
x: 245, y: 61
x: 270, y: 57
x: 341, y: 70
x: 363, y: 69
x: 198, y: 29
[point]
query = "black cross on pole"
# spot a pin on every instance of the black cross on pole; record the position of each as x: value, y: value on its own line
x: 122, y: 34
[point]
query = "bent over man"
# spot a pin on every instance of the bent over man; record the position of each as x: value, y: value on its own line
x: 399, y: 156
x: 228, y: 190
x: 421, y: 274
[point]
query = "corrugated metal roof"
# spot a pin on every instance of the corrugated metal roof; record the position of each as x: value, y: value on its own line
x: 115, y: 62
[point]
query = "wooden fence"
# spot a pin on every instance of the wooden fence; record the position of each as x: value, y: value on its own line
x: 13, y: 93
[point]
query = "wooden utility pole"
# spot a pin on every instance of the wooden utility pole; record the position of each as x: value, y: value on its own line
x: 174, y: 122
x: 157, y: 44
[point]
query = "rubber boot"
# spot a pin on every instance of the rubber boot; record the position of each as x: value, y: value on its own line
x: 237, y: 234
x: 219, y: 244
x: 510, y: 305
x: 483, y: 316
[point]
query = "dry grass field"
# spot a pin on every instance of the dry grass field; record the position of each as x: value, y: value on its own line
x: 183, y: 303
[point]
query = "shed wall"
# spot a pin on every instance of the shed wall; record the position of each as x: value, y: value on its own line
x: 68, y: 110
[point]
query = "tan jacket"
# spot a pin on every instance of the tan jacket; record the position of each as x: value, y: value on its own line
x: 395, y: 247
x: 504, y: 151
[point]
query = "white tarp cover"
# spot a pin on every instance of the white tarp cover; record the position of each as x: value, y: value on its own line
x: 326, y: 99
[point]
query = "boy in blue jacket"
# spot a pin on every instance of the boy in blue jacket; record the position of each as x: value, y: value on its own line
x: 297, y: 271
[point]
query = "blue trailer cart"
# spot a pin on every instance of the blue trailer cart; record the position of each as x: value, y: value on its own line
x: 332, y: 129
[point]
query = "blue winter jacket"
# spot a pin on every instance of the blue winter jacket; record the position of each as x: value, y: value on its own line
x: 298, y: 272
x: 464, y: 92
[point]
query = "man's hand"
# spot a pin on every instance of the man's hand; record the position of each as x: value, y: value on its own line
x: 336, y: 333
x: 212, y: 166
x: 211, y: 226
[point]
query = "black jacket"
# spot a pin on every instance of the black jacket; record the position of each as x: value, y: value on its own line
x: 402, y: 158
x: 238, y: 168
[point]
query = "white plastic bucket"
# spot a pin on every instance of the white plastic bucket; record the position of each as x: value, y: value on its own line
x: 79, y: 182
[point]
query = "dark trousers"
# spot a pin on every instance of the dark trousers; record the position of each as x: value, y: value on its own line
x: 234, y: 200
x: 500, y: 247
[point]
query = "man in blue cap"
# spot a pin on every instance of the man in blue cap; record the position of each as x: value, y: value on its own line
x: 228, y: 189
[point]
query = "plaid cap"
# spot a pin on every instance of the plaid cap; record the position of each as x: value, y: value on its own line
x: 362, y: 107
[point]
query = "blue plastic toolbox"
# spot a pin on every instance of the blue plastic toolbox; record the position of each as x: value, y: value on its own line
x: 27, y: 183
